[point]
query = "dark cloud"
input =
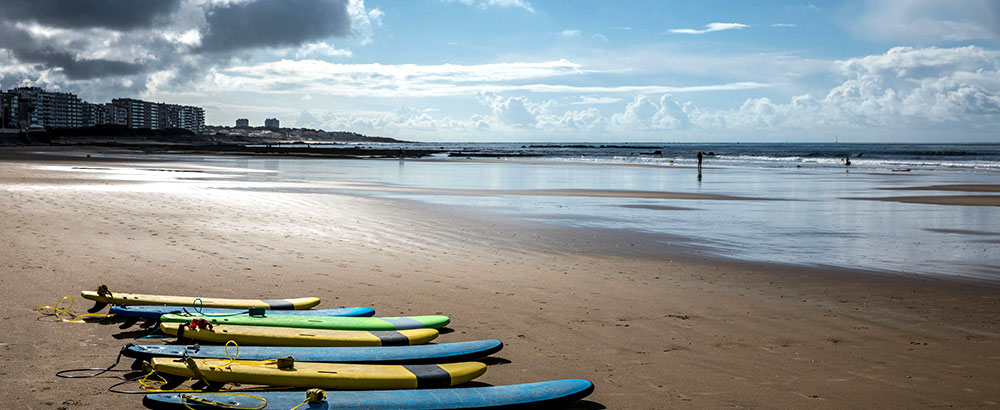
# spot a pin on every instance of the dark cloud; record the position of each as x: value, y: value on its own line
x: 121, y: 15
x: 93, y: 62
x: 30, y: 50
x: 273, y: 23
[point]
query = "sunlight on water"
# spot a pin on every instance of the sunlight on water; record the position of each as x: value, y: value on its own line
x: 799, y: 216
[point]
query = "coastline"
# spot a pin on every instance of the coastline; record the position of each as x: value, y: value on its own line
x: 650, y: 327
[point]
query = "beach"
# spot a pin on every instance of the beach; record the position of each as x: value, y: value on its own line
x: 653, y: 324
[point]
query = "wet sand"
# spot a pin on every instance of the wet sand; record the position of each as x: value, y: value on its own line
x: 651, y: 327
x: 967, y: 200
x: 964, y: 200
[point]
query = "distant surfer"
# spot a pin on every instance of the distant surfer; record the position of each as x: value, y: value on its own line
x: 847, y: 160
x: 700, y: 157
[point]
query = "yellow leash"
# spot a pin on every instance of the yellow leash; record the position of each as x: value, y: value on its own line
x: 233, y: 358
x: 202, y: 400
x: 56, y: 311
x: 186, y: 395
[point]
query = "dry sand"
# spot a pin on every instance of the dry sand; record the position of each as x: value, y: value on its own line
x: 651, y: 328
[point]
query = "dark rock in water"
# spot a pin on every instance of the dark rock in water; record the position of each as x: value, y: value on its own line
x: 712, y: 153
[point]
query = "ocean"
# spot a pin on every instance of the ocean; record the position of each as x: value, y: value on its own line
x: 936, y: 157
x: 797, y: 204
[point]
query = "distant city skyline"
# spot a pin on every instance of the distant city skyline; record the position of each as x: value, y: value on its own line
x: 521, y: 70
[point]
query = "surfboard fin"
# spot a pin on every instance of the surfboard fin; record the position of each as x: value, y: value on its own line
x: 129, y: 322
x: 97, y: 307
x: 172, y: 381
x: 207, y: 386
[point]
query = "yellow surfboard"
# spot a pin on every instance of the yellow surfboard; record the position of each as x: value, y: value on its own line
x: 323, y: 375
x: 286, y: 336
x: 121, y: 298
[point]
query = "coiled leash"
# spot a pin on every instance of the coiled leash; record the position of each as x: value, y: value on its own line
x: 56, y: 311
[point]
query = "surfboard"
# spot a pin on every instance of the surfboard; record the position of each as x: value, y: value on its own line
x: 341, y: 376
x: 314, y: 322
x: 436, y: 353
x: 120, y: 298
x: 154, y: 312
x: 286, y: 336
x: 538, y: 395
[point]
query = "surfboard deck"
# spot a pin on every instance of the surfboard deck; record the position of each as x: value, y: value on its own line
x: 341, y: 376
x: 436, y: 353
x: 121, y: 298
x: 309, y: 322
x: 154, y: 312
x: 547, y: 394
x: 286, y: 336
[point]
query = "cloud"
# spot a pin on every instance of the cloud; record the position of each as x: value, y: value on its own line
x: 783, y: 25
x: 930, y: 20
x: 589, y: 100
x: 410, y: 80
x: 26, y: 48
x: 599, y: 37
x: 321, y: 49
x: 104, y: 48
x: 570, y: 33
x: 364, y: 21
x: 903, y: 88
x: 710, y: 27
x: 646, y: 114
x: 512, y: 111
x: 110, y: 14
x: 522, y: 4
x: 273, y: 23
x: 946, y: 89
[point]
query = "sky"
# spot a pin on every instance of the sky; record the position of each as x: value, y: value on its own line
x: 531, y: 70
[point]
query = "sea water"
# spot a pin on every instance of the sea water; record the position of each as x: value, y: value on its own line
x: 806, y: 206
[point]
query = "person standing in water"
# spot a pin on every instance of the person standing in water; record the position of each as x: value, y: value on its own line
x: 700, y: 155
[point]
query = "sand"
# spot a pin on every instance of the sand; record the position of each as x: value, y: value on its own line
x: 651, y: 327
x: 963, y: 200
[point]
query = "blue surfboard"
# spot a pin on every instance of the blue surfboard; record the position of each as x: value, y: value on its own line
x: 154, y: 312
x: 431, y: 353
x: 547, y: 393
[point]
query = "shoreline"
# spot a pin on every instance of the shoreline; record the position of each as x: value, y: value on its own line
x: 679, y: 330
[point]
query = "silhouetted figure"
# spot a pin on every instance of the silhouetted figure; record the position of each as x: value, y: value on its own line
x: 847, y: 159
x: 700, y: 156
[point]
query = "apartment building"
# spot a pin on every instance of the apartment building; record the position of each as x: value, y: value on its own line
x: 32, y: 107
x: 159, y: 116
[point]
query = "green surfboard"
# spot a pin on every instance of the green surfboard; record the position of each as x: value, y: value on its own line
x: 317, y: 322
